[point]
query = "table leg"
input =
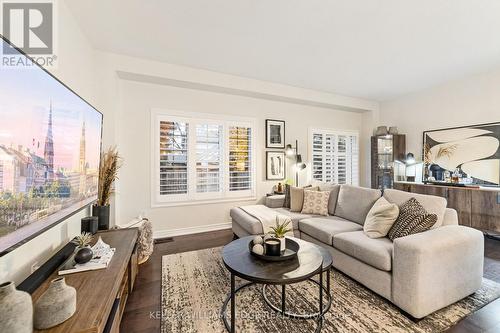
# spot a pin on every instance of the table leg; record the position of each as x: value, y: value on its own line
x: 328, y: 282
x: 233, y: 304
x: 283, y: 299
x: 321, y: 293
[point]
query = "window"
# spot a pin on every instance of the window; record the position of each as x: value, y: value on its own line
x: 201, y: 157
x: 334, y: 156
x: 240, y: 144
x: 173, y: 157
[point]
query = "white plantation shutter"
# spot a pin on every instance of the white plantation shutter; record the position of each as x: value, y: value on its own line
x: 173, y: 137
x: 354, y: 152
x: 324, y: 165
x: 240, y: 158
x: 209, y: 158
x: 201, y: 159
x: 334, y: 157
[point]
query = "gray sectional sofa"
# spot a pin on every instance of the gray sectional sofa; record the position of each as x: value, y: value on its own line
x: 420, y: 273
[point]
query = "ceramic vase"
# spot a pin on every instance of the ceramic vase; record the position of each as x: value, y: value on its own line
x: 56, y: 305
x: 102, y: 213
x: 16, y: 309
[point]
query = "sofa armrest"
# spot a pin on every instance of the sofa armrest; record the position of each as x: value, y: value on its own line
x: 436, y: 268
x: 450, y: 217
x: 275, y: 201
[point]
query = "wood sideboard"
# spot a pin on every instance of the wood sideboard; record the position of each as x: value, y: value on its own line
x: 477, y: 207
x: 101, y: 295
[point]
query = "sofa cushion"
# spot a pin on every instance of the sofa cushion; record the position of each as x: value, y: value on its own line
x: 431, y: 203
x: 354, y: 202
x: 325, y: 228
x: 316, y: 202
x: 254, y: 227
x: 334, y: 194
x: 296, y: 217
x: 380, y: 218
x: 249, y: 223
x: 376, y: 252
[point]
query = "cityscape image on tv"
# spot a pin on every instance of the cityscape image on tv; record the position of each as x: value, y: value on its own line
x: 49, y: 153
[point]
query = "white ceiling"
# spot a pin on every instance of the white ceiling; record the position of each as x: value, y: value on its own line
x: 362, y: 48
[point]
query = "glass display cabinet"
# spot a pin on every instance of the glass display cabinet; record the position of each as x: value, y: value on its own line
x: 385, y: 150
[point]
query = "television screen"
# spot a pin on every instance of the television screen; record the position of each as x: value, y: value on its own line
x: 50, y: 144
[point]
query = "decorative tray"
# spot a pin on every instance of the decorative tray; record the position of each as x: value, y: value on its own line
x: 290, y: 252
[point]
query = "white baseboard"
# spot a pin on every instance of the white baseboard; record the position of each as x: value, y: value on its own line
x: 191, y: 230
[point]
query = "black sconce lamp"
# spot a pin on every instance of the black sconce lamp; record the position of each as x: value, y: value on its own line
x: 299, y: 165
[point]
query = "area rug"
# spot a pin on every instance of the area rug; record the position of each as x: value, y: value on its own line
x: 195, y: 284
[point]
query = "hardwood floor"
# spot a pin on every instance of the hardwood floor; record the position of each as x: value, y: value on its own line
x: 142, y: 312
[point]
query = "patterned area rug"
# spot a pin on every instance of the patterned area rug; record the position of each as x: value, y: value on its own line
x: 195, y: 284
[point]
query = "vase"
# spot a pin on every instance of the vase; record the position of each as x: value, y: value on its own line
x: 83, y: 254
x: 102, y: 213
x: 56, y: 305
x: 16, y: 308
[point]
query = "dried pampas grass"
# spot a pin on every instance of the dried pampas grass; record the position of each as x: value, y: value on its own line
x: 108, y: 173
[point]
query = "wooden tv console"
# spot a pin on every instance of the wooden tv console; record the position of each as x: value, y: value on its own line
x: 101, y: 295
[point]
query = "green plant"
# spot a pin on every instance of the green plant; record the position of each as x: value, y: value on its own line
x: 280, y: 230
x: 83, y: 240
x: 108, y: 173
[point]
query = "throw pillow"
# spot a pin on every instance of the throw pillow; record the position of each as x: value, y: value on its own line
x: 380, y: 218
x: 286, y: 203
x: 412, y: 219
x: 316, y: 202
x: 297, y: 197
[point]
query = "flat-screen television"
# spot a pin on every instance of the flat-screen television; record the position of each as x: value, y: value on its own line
x: 50, y: 146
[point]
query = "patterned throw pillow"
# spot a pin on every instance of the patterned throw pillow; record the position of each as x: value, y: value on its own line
x: 316, y: 202
x: 412, y: 219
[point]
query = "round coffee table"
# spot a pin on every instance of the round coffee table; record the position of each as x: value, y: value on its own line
x: 241, y: 263
x: 327, y: 265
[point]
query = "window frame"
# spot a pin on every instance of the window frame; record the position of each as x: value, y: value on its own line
x: 192, y: 197
x: 319, y: 130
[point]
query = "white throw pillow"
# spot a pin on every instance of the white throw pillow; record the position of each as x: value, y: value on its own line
x: 380, y: 218
x: 316, y: 202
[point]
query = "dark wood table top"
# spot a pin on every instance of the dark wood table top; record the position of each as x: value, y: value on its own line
x: 240, y: 262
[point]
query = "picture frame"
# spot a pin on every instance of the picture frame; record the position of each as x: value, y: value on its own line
x: 473, y: 150
x: 275, y: 165
x: 275, y: 133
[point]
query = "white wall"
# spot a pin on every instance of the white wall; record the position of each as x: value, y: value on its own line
x: 134, y: 138
x: 76, y: 69
x: 469, y: 101
x: 94, y: 75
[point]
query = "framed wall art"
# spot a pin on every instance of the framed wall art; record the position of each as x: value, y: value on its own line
x: 275, y: 133
x: 275, y: 165
x: 473, y: 151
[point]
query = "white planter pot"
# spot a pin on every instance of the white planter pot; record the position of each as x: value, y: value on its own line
x: 283, y: 244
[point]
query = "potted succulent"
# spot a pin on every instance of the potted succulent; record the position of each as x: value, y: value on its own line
x: 108, y: 173
x: 280, y: 230
x: 83, y: 252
